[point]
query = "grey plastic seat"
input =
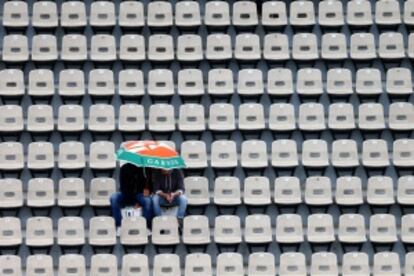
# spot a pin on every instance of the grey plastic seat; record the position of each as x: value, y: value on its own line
x: 198, y: 264
x: 103, y: 48
x: 387, y: 13
x: 190, y: 83
x: 70, y: 118
x: 72, y: 264
x: 130, y: 83
x: 132, y: 48
x: 245, y: 14
x: 318, y: 191
x: 368, y: 82
x: 166, y: 264
x: 10, y: 264
x: 39, y: 232
x: 223, y: 154
x: 44, y: 48
x: 218, y: 47
x: 250, y: 83
x: 331, y: 13
x: 197, y: 190
x: 339, y: 82
x: 189, y: 47
x: 311, y: 117
x: 11, y: 233
x: 230, y: 264
x: 40, y: 118
x: 289, y: 229
x: 131, y: 118
x: 71, y: 156
x: 355, y: 264
x: 274, y: 14
x: 247, y: 47
x: 165, y: 231
x: 73, y: 14
x: 251, y: 117
x: 287, y: 191
x: 386, y: 263
x: 15, y: 14
x: 315, y: 153
x: 135, y: 264
x: 276, y: 46
x: 40, y: 156
x: 40, y: 193
x: 70, y: 231
x: 71, y: 192
x: 222, y: 117
x: 11, y: 119
x: 101, y: 118
x: 102, y: 14
x: 101, y: 155
x: 15, y: 48
x: 227, y: 191
x: 334, y: 45
x: 292, y: 264
x: 257, y: 229
x: 101, y: 83
x: 159, y: 14
x: 257, y: 191
x: 161, y: 118
x: 11, y: 195
x: 382, y: 228
x: 341, y: 117
x: 391, y: 45
x: 104, y: 264
x: 191, y: 118
x: 371, y: 117
x: 160, y: 83
x: 160, y: 46
x: 375, y: 153
x: 41, y: 83
x: 196, y: 230
x: 101, y: 189
x: 282, y: 117
x: 302, y: 14
x: 134, y: 231
x: 399, y: 82
x: 71, y: 83
x: 348, y: 191
x: 362, y: 45
x: 305, y: 47
x: 324, y: 263
x: 284, y: 154
x: 102, y: 231
x: 403, y: 153
x: 194, y: 154
x: 217, y: 14
x: 359, y: 13
x: 131, y: 14
x: 279, y: 82
x: 254, y: 154
x: 11, y: 83
x: 187, y: 14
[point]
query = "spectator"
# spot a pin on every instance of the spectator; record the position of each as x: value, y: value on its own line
x: 135, y: 188
x: 169, y: 191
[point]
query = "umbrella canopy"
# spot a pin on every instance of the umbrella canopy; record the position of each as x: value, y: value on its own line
x: 150, y: 154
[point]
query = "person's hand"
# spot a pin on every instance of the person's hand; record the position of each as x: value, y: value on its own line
x: 168, y: 198
x: 173, y: 196
x: 146, y: 192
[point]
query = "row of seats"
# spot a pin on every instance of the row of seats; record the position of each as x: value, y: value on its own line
x: 277, y: 82
x: 227, y: 191
x: 257, y: 229
x: 218, y: 47
x: 227, y: 264
x: 224, y: 154
x: 216, y: 14
x: 222, y: 117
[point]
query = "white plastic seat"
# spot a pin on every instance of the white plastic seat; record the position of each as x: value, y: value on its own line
x: 380, y: 190
x: 131, y: 14
x: 292, y: 264
x: 302, y: 14
x: 161, y: 118
x: 355, y: 264
x: 408, y: 15
x: 102, y: 231
x: 245, y: 14
x: 256, y: 191
x: 400, y: 116
x: 254, y: 154
x: 387, y: 13
x: 368, y: 82
x: 191, y: 118
x: 324, y: 263
x: 72, y: 264
x: 101, y: 155
x: 250, y: 82
x: 159, y: 14
x: 11, y: 119
x: 220, y: 82
x: 39, y: 232
x: 71, y: 192
x: 40, y: 193
x: 196, y: 230
x: 276, y: 46
x: 339, y: 82
x: 73, y: 14
x: 165, y: 231
x: 104, y: 264
x: 101, y: 189
x: 315, y: 153
x: 382, y: 228
x: 15, y: 48
x: 130, y: 83
x: 194, y: 154
x: 187, y: 14
x: 11, y: 83
x: 309, y: 82
x: 40, y: 118
x: 257, y: 229
x: 311, y: 117
x: 15, y: 14
x: 11, y: 156
x: 391, y: 45
x: 399, y: 82
x: 359, y: 13
x: 45, y: 14
x: 274, y: 14
x: 362, y: 45
x: 320, y: 228
x: 103, y: 48
x: 282, y: 117
x: 160, y: 47
x: 386, y: 264
x: 189, y: 47
x: 134, y: 231
x: 131, y: 118
x: 190, y: 83
x: 334, y: 46
x: 198, y: 264
x: 101, y: 118
x: 223, y: 154
x: 197, y: 190
x: 10, y: 264
x: 351, y: 229
x: 318, y: 191
x: 230, y: 264
x: 218, y: 47
x: 227, y: 191
x: 166, y: 264
x: 40, y: 156
x: 44, y: 48
x: 217, y: 14
x: 222, y: 117
x: 70, y: 118
x: 407, y: 224
x: 10, y: 232
x: 341, y: 116
x: 331, y: 14
x: 289, y: 229
x: 132, y: 48
x: 371, y: 116
x: 71, y: 156
x: 348, y: 191
x: 287, y: 190
x: 375, y: 153
x: 135, y: 264
x: 101, y: 83
x: 71, y: 83
x: 345, y: 154
x: 160, y: 83
x: 11, y: 195
x: 405, y: 190
x: 251, y: 117
x: 403, y: 153
x: 102, y: 14
x: 304, y: 46
x: 409, y: 261
x: 71, y: 231
x: 284, y: 154
x: 41, y: 83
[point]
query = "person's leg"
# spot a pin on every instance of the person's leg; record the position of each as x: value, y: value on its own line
x: 117, y: 200
x: 156, y: 205
x: 146, y: 205
x: 181, y: 202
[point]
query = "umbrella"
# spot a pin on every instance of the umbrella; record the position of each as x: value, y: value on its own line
x: 151, y: 154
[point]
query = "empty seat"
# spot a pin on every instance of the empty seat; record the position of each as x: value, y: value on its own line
x: 349, y: 191
x: 11, y: 156
x: 165, y: 231
x: 222, y: 117
x: 166, y: 264
x: 71, y: 83
x: 261, y: 263
x: 39, y: 265
x: 368, y: 82
x: 131, y: 14
x: 198, y: 264
x: 309, y: 82
x: 315, y: 153
x: 40, y: 156
x: 227, y: 191
x: 254, y: 154
x: 371, y: 116
x: 227, y: 230
x: 71, y: 264
x: 40, y: 118
x: 282, y: 117
x: 287, y: 191
x: 71, y: 156
x: 39, y: 232
x: 101, y: 155
x: 194, y: 154
x: 292, y: 264
x: 74, y: 48
x: 15, y: 48
x: 247, y: 47
x: 331, y: 13
x: 219, y: 47
x: 289, y: 229
x: 104, y: 264
x: 187, y: 14
x: 10, y: 232
x: 339, y: 82
x: 256, y: 191
x: 408, y: 16
x: 409, y: 260
x: 304, y: 45
x: 345, y: 154
x: 359, y: 13
x: 70, y: 232
x: 407, y: 224
x: 251, y: 117
x: 362, y: 45
x: 70, y: 118
x: 230, y: 264
x: 318, y: 191
x: 375, y: 153
x: 45, y: 14
x: 311, y: 117
x: 132, y: 264
x: 102, y: 14
x: 257, y: 229
x: 71, y: 192
x: 197, y: 190
x: 159, y: 14
x: 220, y: 82
x: 40, y: 193
x: 161, y: 118
x: 101, y: 118
x: 391, y: 45
x: 11, y: 119
x: 399, y: 82
x: 102, y: 231
x: 276, y: 47
x: 324, y: 263
x: 191, y: 118
x: 274, y: 14
x: 190, y: 83
x: 189, y: 47
x: 387, y: 13
x: 44, y: 48
x: 160, y: 83
x: 380, y: 190
x: 355, y: 263
x: 10, y: 264
x: 73, y: 14
x: 196, y: 230
x: 11, y: 83
x: 245, y: 14
x: 131, y: 118
x: 341, y: 117
x: 134, y: 231
x: 403, y: 153
x: 101, y: 83
x: 279, y: 82
x: 130, y: 83
x: 334, y: 46
x: 405, y: 190
x: 382, y: 228
x: 223, y: 154
x: 11, y: 195
x: 386, y: 263
x: 103, y: 48
x: 15, y: 14
x: 41, y: 83
x: 101, y: 189
x: 302, y: 14
x: 160, y: 47
x: 217, y: 14
x: 250, y: 83
x: 320, y: 228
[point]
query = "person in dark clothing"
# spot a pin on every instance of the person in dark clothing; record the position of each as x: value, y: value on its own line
x: 169, y: 190
x: 135, y: 188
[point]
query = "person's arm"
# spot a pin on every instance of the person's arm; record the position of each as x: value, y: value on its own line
x: 179, y: 184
